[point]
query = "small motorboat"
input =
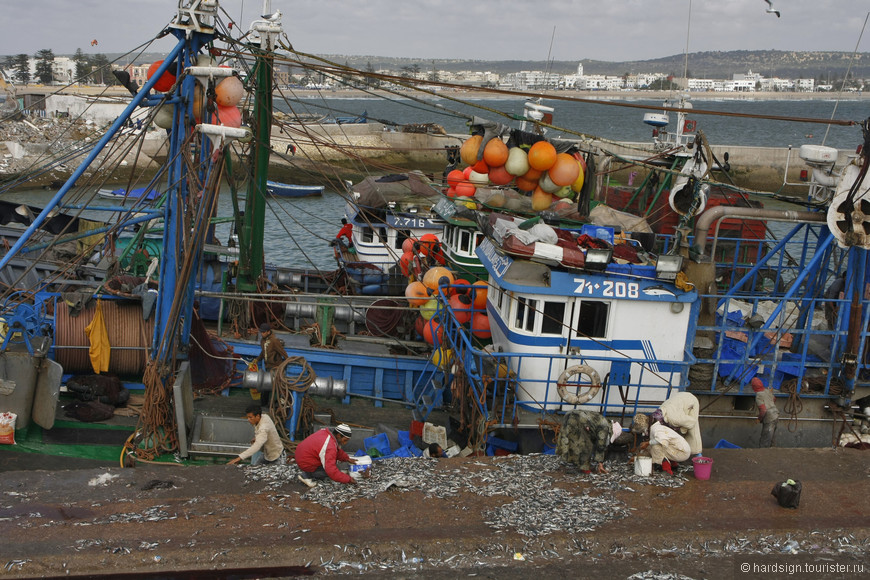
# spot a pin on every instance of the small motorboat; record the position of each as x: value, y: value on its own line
x: 134, y: 195
x: 290, y: 190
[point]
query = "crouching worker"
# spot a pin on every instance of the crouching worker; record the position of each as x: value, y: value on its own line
x: 674, y: 432
x: 583, y: 439
x: 318, y: 453
x: 266, y: 446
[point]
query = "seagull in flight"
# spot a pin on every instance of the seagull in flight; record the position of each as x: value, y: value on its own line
x: 771, y: 9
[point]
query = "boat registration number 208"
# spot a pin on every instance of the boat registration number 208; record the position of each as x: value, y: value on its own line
x: 607, y: 288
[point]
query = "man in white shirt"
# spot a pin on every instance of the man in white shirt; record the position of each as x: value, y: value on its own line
x: 266, y: 448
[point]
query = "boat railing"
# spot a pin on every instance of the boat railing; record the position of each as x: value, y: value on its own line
x: 777, y: 318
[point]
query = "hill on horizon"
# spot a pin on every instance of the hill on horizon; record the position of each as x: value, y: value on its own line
x: 709, y: 64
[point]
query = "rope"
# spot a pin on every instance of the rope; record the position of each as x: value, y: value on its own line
x: 281, y: 401
x: 793, y: 406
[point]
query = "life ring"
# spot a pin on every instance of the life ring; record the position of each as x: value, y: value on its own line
x: 582, y: 397
x: 689, y: 126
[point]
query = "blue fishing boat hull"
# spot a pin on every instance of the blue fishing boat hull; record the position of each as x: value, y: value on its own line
x: 291, y: 190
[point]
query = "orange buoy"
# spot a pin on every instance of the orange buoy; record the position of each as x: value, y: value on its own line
x: 228, y: 116
x: 427, y: 242
x: 405, y: 263
x: 408, y: 245
x: 166, y: 80
x: 461, y: 305
x: 433, y: 332
x: 565, y: 170
x: 468, y: 151
x: 478, y: 292
x: 541, y: 200
x: 480, y: 167
x: 229, y: 92
x: 499, y: 175
x: 418, y: 325
x: 460, y: 282
x: 437, y: 276
x: 465, y: 189
x: 542, y: 156
x: 454, y: 177
x: 524, y: 184
x: 416, y: 293
x: 495, y: 153
x: 480, y: 325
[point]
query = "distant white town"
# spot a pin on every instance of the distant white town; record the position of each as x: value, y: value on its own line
x: 63, y: 72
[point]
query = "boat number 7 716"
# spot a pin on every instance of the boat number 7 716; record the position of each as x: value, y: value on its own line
x: 607, y: 288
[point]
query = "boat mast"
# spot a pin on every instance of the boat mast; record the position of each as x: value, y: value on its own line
x: 253, y: 223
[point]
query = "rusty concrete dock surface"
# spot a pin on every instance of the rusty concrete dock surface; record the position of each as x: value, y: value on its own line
x: 224, y: 521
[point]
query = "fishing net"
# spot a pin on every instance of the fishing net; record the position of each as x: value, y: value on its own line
x: 212, y: 362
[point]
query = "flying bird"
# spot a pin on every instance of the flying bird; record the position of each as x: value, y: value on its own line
x: 771, y: 9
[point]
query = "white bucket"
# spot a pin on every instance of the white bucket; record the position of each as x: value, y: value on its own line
x: 643, y: 466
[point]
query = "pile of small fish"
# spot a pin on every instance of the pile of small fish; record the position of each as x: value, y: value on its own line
x: 538, y: 507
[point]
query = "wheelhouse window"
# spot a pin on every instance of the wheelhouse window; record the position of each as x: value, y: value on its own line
x: 368, y: 234
x: 553, y: 319
x: 592, y: 319
x: 525, y: 314
x: 401, y: 236
x: 465, y: 241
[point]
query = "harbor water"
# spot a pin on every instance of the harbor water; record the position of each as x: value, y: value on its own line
x: 298, y: 230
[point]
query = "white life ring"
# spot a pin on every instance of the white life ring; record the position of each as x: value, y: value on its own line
x: 583, y: 396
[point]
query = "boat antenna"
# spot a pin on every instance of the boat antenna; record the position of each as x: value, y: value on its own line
x: 686, y: 52
x: 845, y: 76
x: 549, y: 55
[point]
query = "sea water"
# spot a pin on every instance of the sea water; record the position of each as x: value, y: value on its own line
x: 298, y: 230
x: 619, y: 123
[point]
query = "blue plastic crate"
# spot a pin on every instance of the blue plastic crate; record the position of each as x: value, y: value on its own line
x: 414, y: 451
x: 549, y: 450
x: 502, y: 444
x: 380, y: 442
x: 723, y: 444
x: 402, y: 452
x: 404, y: 438
x: 601, y: 232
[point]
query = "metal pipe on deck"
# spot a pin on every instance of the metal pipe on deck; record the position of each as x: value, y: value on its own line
x: 714, y: 214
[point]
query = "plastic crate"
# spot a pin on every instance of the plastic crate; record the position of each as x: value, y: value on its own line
x: 502, y: 444
x: 417, y: 428
x: 601, y: 232
x: 402, y: 452
x: 723, y: 444
x: 414, y: 451
x: 404, y: 438
x: 380, y: 442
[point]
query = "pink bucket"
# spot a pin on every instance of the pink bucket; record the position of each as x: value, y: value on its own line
x: 703, y: 467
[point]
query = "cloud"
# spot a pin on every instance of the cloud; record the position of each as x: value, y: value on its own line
x: 613, y: 30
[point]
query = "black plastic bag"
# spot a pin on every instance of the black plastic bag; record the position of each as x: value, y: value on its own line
x: 787, y: 493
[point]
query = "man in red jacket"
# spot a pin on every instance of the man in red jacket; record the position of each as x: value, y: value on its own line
x: 317, y: 454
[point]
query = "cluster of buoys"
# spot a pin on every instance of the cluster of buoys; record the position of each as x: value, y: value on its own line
x: 468, y: 306
x: 229, y: 92
x: 539, y: 170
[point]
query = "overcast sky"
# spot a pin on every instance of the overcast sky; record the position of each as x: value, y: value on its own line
x: 610, y: 30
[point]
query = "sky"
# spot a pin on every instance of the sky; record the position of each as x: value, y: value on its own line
x: 609, y: 30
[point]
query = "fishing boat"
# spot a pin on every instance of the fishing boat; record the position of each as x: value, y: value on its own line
x: 571, y: 327
x: 622, y: 300
x: 149, y: 327
x: 279, y: 189
x: 137, y: 194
